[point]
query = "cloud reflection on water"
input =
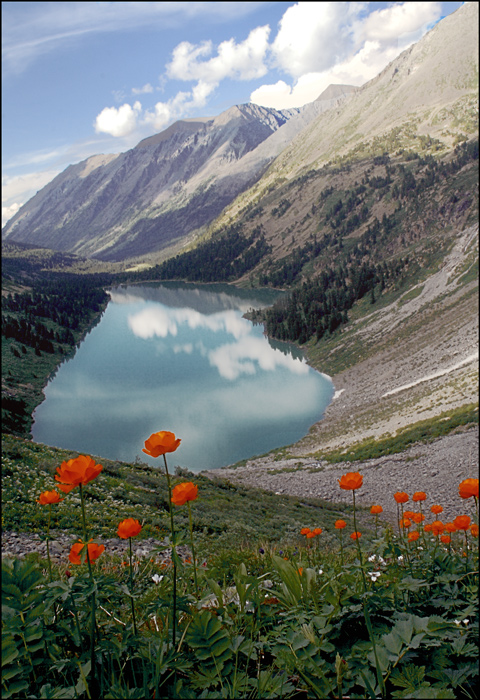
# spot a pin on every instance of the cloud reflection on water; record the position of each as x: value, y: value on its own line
x: 230, y: 359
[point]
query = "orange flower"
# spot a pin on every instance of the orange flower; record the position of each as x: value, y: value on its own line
x: 401, y: 497
x: 300, y: 571
x: 419, y: 496
x: 437, y: 527
x: 468, y: 488
x: 304, y: 530
x: 404, y: 522
x: 318, y: 531
x: 355, y: 535
x: 129, y: 528
x: 184, y: 492
x: 351, y: 481
x: 310, y: 534
x: 340, y: 524
x: 414, y: 535
x: 450, y: 527
x: 462, y: 522
x: 374, y: 510
x: 80, y: 470
x: 446, y: 539
x: 417, y: 518
x: 436, y: 509
x: 408, y: 514
x: 428, y: 527
x: 161, y: 443
x: 49, y: 497
x: 94, y: 551
x: 474, y: 529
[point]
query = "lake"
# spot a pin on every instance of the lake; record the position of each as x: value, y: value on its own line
x: 181, y: 357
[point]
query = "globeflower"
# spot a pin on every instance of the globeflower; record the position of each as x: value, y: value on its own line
x: 317, y: 531
x: 48, y: 497
x: 186, y: 491
x: 474, y: 530
x: 161, y: 443
x: 450, y: 527
x: 468, y: 488
x: 340, y: 524
x: 374, y: 510
x: 310, y: 534
x: 437, y: 527
x: 446, y: 539
x: 400, y: 497
x: 414, y: 535
x: 419, y: 496
x: 436, y: 509
x: 94, y: 551
x: 351, y: 481
x: 80, y: 470
x: 462, y: 522
x: 355, y: 535
x: 304, y: 530
x: 417, y: 518
x: 129, y: 528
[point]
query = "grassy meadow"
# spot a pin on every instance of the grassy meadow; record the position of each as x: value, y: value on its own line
x: 244, y: 594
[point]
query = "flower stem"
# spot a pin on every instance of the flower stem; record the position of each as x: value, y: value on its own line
x: 365, y: 606
x: 48, y: 542
x: 93, y: 621
x: 193, y: 548
x: 131, y: 588
x: 174, y: 622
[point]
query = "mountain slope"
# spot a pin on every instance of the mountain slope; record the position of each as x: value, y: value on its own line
x: 426, y: 99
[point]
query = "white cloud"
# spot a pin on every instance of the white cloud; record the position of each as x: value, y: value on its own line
x: 350, y: 48
x: 313, y: 36
x: 30, y: 30
x: 244, y: 61
x: 143, y: 90
x: 179, y: 106
x: 8, y: 212
x: 118, y: 122
x: 402, y: 23
x: 19, y: 189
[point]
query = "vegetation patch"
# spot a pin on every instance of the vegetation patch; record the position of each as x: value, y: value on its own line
x: 423, y: 431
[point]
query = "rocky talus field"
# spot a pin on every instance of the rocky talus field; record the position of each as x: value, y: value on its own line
x: 421, y: 361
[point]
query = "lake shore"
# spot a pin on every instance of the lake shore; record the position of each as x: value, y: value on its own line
x: 421, y: 361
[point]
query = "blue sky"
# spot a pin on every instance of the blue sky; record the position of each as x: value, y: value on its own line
x: 81, y: 78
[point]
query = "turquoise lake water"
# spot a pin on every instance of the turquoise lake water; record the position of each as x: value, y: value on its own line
x: 182, y: 358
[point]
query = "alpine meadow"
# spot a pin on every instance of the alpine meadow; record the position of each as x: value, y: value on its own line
x: 344, y: 565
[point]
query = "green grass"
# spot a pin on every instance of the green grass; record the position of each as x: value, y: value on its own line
x: 422, y: 431
x: 223, y: 511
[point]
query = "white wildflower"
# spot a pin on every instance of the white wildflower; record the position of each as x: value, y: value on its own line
x: 156, y: 578
x: 466, y: 621
x: 374, y: 575
x: 400, y: 558
x: 320, y: 571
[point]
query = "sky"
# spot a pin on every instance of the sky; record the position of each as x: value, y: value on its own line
x: 83, y: 78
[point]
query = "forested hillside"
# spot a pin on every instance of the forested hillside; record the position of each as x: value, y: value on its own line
x: 44, y: 317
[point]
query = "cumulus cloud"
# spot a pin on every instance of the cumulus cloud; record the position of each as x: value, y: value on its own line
x: 18, y: 189
x: 312, y: 36
x: 179, y: 106
x: 243, y: 61
x: 143, y: 90
x: 338, y: 44
x: 118, y: 122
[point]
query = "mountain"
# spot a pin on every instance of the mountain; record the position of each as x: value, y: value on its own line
x: 426, y: 99
x: 201, y: 175
x: 168, y: 186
